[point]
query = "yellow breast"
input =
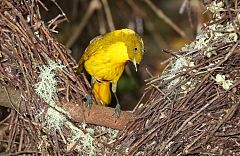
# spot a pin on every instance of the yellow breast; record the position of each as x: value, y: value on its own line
x: 108, y: 62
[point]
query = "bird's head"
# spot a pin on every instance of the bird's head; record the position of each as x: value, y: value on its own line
x: 135, y: 48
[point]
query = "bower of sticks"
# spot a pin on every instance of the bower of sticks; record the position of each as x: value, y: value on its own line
x: 191, y: 109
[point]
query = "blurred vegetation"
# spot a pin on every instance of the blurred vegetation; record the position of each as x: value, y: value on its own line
x: 89, y: 18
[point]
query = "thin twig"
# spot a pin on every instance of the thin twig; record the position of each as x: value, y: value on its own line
x: 94, y: 5
x: 108, y: 15
x: 162, y: 16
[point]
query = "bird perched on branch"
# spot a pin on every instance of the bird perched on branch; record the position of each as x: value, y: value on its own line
x: 105, y: 59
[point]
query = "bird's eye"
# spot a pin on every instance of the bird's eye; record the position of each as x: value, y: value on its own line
x: 143, y: 51
x: 135, y: 49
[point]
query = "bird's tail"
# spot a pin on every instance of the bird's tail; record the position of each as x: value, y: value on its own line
x: 102, y: 93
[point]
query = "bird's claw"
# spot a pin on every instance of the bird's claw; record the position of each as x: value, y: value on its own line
x: 89, y: 101
x: 117, y: 110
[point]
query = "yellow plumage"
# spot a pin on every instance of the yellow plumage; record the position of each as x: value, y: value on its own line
x: 108, y: 63
x: 101, y: 91
x: 105, y: 59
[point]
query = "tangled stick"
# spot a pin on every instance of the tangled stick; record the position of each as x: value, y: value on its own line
x: 38, y: 80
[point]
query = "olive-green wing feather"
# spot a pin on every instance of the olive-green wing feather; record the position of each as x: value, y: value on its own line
x: 80, y: 65
x: 94, y: 44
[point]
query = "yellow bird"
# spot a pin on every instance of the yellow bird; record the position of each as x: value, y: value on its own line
x: 105, y: 59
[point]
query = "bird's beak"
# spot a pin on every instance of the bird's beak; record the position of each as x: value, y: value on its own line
x: 135, y: 64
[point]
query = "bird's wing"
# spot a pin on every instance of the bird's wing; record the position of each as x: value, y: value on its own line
x: 80, y: 65
x: 90, y: 50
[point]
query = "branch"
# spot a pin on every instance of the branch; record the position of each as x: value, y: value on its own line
x: 97, y: 115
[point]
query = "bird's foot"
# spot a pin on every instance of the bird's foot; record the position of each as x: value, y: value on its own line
x: 117, y: 110
x: 89, y: 101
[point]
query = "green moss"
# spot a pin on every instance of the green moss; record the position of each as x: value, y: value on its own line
x: 221, y: 80
x: 54, y: 119
x: 87, y: 139
x: 46, y: 88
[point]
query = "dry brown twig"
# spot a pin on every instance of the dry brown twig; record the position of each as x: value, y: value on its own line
x: 161, y: 43
x: 166, y: 19
x: 196, y: 98
x: 108, y: 15
x: 46, y: 117
x: 94, y: 5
